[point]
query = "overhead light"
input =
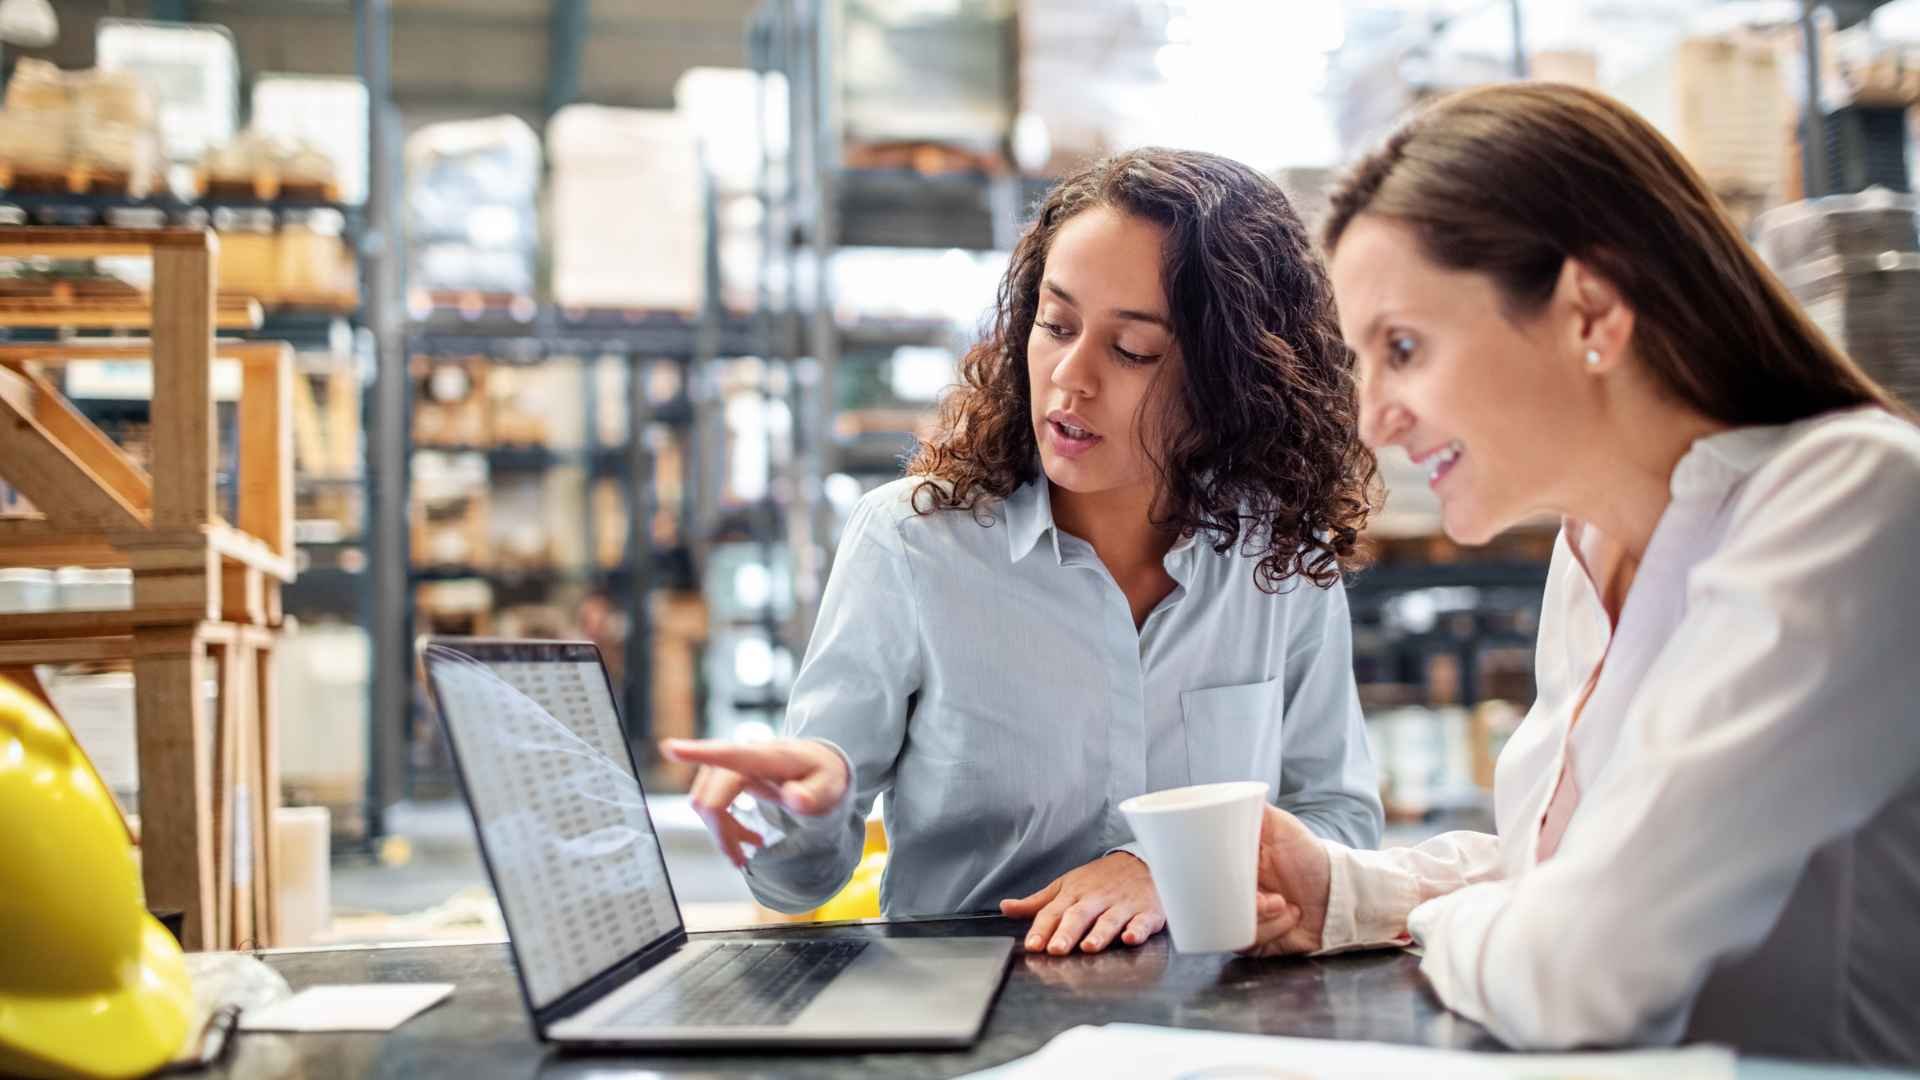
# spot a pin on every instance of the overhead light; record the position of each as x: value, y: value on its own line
x: 29, y: 24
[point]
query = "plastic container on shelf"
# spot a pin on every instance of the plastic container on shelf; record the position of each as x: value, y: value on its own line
x: 84, y: 589
x: 135, y: 217
x: 99, y: 708
x: 25, y: 590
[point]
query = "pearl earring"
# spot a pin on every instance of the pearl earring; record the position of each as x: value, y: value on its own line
x: 1593, y: 358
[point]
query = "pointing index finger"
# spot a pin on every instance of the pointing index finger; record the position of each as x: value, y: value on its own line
x: 774, y: 763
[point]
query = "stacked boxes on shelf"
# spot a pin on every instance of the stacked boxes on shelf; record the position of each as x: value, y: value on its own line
x: 1854, y: 263
x: 193, y: 72
x: 629, y: 230
x: 1724, y: 101
x: 450, y: 402
x: 259, y: 165
x: 320, y: 114
x: 521, y: 466
x: 78, y: 131
x: 295, y: 257
x: 451, y: 520
x: 472, y: 204
x: 928, y: 77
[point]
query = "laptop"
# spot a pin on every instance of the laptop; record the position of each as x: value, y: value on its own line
x: 603, y: 958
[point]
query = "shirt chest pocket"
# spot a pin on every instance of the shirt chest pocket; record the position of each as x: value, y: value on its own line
x: 1233, y: 732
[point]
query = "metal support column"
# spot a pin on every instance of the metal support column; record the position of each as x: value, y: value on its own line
x: 1813, y: 137
x: 566, y: 39
x: 391, y: 618
x: 815, y: 156
x: 1519, y: 39
x: 640, y: 509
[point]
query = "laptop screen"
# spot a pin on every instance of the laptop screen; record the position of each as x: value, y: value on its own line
x: 561, y: 816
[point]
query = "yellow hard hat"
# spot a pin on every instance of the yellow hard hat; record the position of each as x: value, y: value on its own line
x: 91, y: 985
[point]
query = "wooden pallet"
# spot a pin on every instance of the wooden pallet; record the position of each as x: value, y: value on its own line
x: 341, y: 303
x: 269, y: 186
x: 76, y: 178
x: 473, y: 304
x: 925, y: 158
x: 206, y: 592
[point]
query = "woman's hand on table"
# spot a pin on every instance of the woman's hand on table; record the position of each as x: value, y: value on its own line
x: 1109, y: 899
x: 807, y: 777
x: 1291, y: 900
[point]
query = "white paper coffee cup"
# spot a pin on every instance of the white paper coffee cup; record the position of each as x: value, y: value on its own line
x: 1202, y: 845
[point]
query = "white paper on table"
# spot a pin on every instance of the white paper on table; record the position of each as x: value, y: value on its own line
x: 376, y: 1007
x: 1141, y: 1052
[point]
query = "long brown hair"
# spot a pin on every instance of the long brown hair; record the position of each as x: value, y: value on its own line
x: 1258, y: 443
x: 1512, y: 180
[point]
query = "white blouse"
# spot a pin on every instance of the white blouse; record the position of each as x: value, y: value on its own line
x: 1743, y: 861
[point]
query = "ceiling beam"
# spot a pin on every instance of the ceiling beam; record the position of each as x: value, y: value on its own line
x: 713, y: 24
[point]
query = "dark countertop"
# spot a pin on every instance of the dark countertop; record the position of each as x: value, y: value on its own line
x: 483, y: 1032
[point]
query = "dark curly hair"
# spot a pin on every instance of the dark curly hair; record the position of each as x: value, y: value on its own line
x: 1260, y: 443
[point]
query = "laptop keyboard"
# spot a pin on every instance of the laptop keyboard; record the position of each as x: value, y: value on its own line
x: 741, y: 984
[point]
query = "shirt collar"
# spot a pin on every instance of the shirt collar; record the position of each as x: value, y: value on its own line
x: 1711, y: 468
x: 1716, y: 463
x: 1029, y: 516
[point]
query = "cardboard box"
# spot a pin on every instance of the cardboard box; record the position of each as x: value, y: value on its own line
x: 1723, y: 101
x: 628, y: 213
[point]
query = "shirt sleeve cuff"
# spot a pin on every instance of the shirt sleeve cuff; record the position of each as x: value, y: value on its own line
x: 1368, y: 900
x: 1131, y: 848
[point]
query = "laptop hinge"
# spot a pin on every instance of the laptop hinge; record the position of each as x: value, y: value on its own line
x: 615, y: 977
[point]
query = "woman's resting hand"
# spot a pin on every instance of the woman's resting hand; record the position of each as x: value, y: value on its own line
x: 1111, y: 898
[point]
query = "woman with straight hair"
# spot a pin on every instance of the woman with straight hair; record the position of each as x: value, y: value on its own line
x: 1709, y: 822
x: 1114, y: 568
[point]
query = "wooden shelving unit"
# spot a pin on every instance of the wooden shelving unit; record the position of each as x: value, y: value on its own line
x: 206, y: 592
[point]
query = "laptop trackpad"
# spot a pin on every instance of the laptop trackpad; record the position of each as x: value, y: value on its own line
x: 911, y: 987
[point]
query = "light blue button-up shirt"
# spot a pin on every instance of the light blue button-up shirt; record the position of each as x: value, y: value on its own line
x: 982, y: 672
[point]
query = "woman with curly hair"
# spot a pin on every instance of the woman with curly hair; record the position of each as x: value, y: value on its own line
x: 1114, y: 569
